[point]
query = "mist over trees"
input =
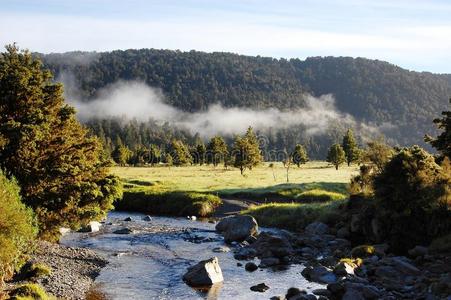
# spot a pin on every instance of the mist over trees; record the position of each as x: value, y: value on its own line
x: 372, y: 91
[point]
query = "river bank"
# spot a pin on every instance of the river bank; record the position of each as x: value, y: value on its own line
x: 73, y: 270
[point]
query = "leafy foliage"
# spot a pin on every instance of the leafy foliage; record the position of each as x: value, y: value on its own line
x: 58, y: 165
x: 17, y: 229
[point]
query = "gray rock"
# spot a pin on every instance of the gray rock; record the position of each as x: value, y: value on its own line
x: 64, y: 230
x: 205, y: 273
x: 245, y: 253
x: 356, y: 220
x: 343, y: 232
x: 147, y: 218
x: 418, y: 251
x: 402, y: 265
x: 268, y: 245
x: 319, y: 274
x: 237, y: 228
x: 269, y: 262
x: 386, y: 272
x: 344, y: 268
x: 123, y: 231
x: 222, y: 249
x: 128, y: 219
x: 336, y: 288
x: 294, y: 292
x: 322, y: 292
x: 250, y: 267
x: 261, y: 288
x: 317, y: 228
x: 277, y: 298
x: 352, y: 294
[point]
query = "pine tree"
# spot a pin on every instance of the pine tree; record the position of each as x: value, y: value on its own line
x: 336, y: 155
x: 58, y: 165
x: 299, y: 155
x: 443, y: 142
x: 246, y: 152
x: 350, y: 147
x: 180, y: 153
x: 216, y: 150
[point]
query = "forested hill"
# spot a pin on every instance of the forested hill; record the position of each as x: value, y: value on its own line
x: 370, y: 90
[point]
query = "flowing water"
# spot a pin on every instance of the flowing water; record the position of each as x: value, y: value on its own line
x: 150, y: 262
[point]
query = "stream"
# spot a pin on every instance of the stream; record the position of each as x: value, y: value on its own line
x: 150, y: 262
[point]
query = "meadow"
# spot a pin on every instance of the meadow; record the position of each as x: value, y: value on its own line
x: 197, y: 189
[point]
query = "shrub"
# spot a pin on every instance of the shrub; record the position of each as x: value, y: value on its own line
x: 17, y: 230
x: 412, y: 194
x: 29, y: 291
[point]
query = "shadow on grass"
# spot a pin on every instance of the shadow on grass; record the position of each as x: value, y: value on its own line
x: 288, y: 192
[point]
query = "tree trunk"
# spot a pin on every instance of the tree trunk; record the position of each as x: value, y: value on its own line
x: 336, y: 167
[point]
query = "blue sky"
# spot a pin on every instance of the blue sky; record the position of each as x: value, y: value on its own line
x: 411, y: 33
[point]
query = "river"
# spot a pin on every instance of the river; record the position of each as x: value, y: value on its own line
x: 150, y: 262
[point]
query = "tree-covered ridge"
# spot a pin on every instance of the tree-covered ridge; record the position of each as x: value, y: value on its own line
x: 370, y: 90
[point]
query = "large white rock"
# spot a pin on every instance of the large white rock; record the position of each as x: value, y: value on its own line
x: 92, y: 226
x: 237, y: 228
x: 205, y: 273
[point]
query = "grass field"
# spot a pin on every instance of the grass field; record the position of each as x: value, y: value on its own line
x: 196, y: 189
x: 313, y: 175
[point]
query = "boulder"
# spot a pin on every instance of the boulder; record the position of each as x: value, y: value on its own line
x: 128, y: 219
x: 319, y: 274
x: 237, y: 228
x: 352, y: 294
x: 147, y: 218
x: 418, y: 251
x: 404, y: 266
x: 269, y: 262
x: 322, y: 292
x: 245, y: 253
x: 123, y: 231
x: 272, y: 246
x: 250, y: 267
x: 317, y: 228
x: 344, y: 268
x: 261, y: 288
x: 343, y: 232
x: 92, y: 226
x: 205, y: 273
x: 64, y: 230
x: 294, y: 292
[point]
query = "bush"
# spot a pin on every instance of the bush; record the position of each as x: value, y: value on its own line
x: 29, y: 291
x: 411, y: 194
x: 35, y: 271
x: 17, y: 230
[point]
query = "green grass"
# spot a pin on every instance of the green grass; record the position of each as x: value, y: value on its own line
x: 294, y: 216
x: 195, y: 189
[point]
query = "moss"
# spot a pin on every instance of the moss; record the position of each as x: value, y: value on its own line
x: 29, y: 291
x: 363, y: 251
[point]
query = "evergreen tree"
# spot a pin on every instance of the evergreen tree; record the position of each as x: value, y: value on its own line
x: 246, y: 153
x: 121, y: 154
x: 168, y: 160
x: 336, y: 155
x: 201, y: 150
x: 180, y: 153
x: 216, y: 150
x: 58, y: 165
x: 154, y: 154
x: 443, y: 142
x: 350, y: 147
x: 299, y: 155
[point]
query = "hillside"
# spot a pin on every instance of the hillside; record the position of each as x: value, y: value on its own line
x: 372, y: 91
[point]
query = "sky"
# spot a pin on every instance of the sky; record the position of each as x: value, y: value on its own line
x: 413, y: 34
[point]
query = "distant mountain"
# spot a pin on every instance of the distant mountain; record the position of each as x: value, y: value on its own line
x: 370, y: 90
